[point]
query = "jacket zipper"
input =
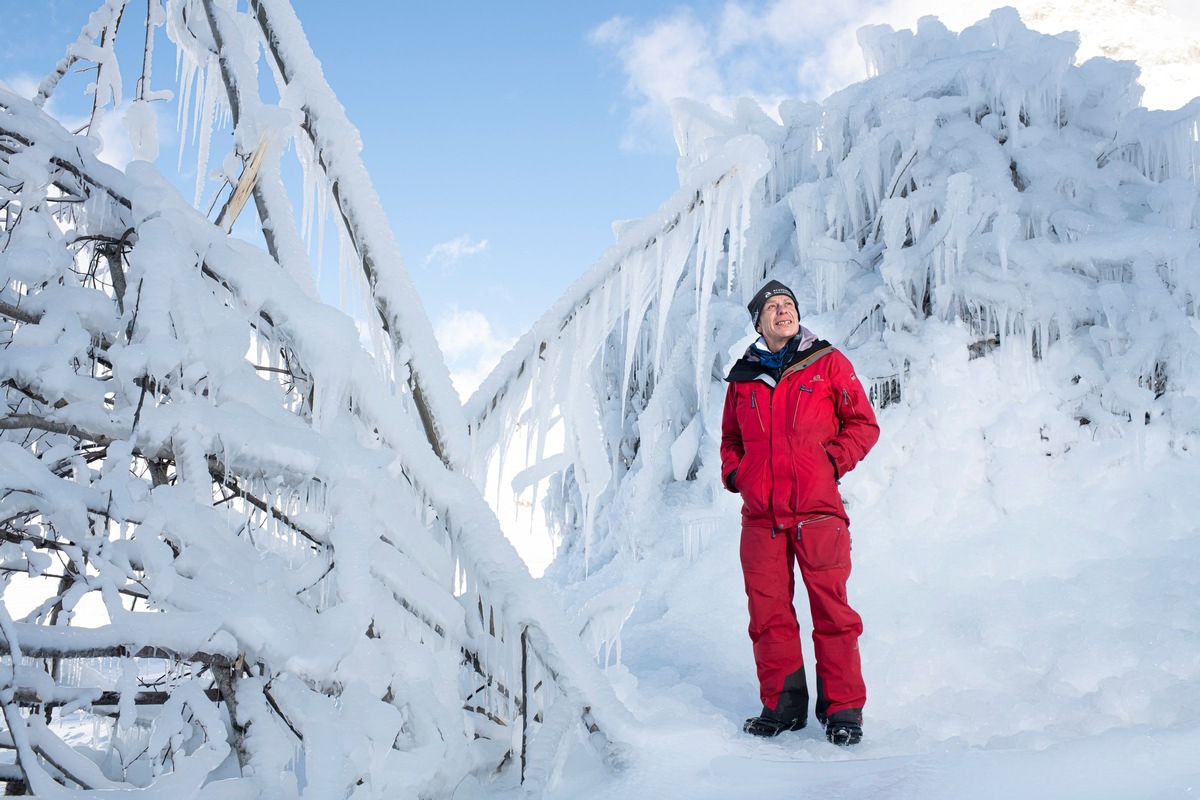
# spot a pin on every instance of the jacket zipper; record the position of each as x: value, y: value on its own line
x: 757, y: 413
x: 796, y: 410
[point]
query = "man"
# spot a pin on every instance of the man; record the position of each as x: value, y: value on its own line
x: 796, y: 420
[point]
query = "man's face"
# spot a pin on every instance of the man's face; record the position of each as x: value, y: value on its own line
x: 779, y: 320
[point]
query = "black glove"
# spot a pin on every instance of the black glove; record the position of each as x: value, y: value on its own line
x: 731, y: 482
x: 837, y: 476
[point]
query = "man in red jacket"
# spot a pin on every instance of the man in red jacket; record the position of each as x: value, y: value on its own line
x: 796, y: 420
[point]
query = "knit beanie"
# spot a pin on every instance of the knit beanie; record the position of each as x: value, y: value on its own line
x: 769, y: 289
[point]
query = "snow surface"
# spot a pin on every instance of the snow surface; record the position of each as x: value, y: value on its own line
x: 1001, y: 240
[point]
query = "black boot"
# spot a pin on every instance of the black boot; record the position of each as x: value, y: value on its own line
x: 790, y: 712
x: 773, y: 722
x: 844, y: 727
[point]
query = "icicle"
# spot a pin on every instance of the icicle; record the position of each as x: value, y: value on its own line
x: 213, y: 91
x: 187, y: 72
x: 1007, y: 227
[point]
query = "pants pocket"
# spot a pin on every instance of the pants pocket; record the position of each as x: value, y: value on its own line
x: 823, y: 544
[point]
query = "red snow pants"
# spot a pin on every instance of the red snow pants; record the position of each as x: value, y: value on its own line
x: 822, y: 548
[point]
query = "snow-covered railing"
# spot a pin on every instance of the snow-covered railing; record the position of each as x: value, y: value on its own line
x: 613, y: 337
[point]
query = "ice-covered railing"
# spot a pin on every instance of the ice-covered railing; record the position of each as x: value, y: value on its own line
x: 605, y: 349
x: 982, y: 181
x: 245, y: 548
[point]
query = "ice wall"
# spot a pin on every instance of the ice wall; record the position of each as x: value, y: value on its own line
x: 981, y: 182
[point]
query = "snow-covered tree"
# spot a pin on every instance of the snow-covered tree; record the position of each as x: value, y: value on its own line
x: 251, y: 563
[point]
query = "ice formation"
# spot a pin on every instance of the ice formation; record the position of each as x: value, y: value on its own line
x: 980, y: 182
x: 1005, y: 245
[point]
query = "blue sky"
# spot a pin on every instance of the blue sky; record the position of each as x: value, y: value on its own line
x: 494, y: 137
x: 504, y: 139
x: 497, y: 135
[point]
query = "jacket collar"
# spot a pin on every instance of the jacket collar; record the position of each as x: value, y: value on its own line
x: 803, y: 349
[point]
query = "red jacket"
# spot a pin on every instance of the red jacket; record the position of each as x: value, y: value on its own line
x: 791, y: 441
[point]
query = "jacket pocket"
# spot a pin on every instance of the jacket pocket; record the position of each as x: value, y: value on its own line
x: 814, y: 488
x: 751, y: 484
x: 823, y: 543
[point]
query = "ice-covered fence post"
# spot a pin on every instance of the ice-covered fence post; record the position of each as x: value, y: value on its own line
x: 698, y: 527
x: 524, y: 698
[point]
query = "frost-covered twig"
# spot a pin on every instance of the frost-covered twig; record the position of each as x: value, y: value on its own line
x: 107, y: 17
x: 84, y: 174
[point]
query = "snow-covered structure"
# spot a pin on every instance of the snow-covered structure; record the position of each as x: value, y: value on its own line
x: 248, y: 559
x: 1006, y: 246
x: 982, y: 196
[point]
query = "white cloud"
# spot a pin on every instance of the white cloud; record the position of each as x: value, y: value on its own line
x: 809, y: 48
x: 471, y: 347
x: 109, y: 129
x: 23, y: 84
x: 447, y: 254
x: 671, y: 58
